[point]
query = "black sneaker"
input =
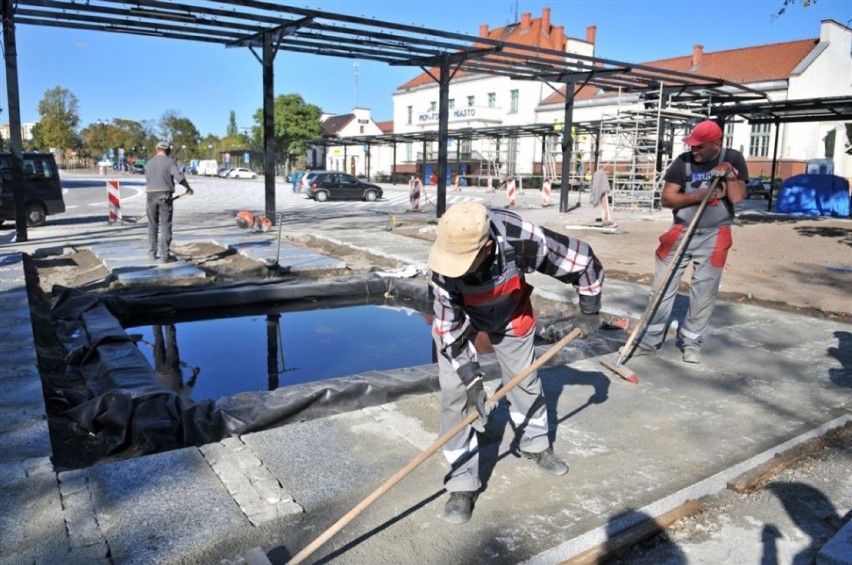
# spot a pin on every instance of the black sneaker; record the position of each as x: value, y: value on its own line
x: 459, y: 507
x: 548, y: 461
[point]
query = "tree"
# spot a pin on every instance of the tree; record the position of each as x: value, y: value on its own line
x: 295, y: 123
x: 232, y: 124
x: 57, y: 127
x: 787, y: 3
x: 182, y: 133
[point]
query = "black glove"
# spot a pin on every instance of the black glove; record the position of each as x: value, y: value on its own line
x: 476, y: 401
x: 588, y: 324
x: 554, y: 332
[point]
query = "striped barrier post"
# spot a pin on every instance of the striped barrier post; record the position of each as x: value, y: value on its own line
x: 510, y: 191
x: 545, y: 194
x: 114, y: 198
x: 415, y: 186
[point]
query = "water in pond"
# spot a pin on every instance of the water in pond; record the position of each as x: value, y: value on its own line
x: 225, y: 356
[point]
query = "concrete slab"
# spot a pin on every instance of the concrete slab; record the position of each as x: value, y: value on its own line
x: 161, y: 509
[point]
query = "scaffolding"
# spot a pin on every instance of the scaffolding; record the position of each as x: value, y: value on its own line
x: 637, y: 145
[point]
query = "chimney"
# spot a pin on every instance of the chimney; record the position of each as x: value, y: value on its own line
x: 591, y: 33
x: 545, y: 20
x: 483, y: 30
x: 525, y: 20
x: 697, y: 54
x: 557, y: 36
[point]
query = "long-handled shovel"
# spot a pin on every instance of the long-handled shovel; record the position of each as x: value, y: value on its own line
x: 402, y: 473
x: 618, y: 367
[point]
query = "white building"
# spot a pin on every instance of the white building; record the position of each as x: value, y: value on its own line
x: 810, y: 68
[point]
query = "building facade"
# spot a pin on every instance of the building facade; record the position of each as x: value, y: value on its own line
x: 804, y: 69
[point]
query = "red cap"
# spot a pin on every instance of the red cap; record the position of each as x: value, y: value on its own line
x: 705, y: 132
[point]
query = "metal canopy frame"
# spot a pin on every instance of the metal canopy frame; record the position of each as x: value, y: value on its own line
x: 263, y: 25
x: 838, y: 108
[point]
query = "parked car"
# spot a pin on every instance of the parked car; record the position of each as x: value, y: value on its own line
x: 224, y: 172
x: 42, y: 190
x: 242, y: 173
x: 305, y: 180
x: 340, y: 186
x: 761, y: 187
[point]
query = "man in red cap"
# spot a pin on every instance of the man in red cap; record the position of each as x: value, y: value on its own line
x: 478, y: 263
x: 686, y: 182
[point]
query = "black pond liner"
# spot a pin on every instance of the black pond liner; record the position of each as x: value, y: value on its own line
x: 130, y: 407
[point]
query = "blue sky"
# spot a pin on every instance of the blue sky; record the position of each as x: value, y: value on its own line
x: 140, y: 78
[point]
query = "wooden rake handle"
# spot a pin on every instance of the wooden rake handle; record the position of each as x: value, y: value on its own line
x: 429, y: 451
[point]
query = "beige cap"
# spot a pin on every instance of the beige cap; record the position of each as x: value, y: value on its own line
x: 462, y: 231
x: 162, y: 145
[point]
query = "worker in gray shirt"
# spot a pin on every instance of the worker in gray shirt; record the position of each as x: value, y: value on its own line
x: 161, y: 175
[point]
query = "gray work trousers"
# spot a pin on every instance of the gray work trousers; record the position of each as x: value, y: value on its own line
x: 527, y: 410
x: 707, y: 251
x: 160, y: 208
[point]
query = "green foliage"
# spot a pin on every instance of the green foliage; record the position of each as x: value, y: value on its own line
x: 57, y: 128
x: 232, y: 124
x: 787, y: 3
x: 295, y: 123
x: 182, y: 134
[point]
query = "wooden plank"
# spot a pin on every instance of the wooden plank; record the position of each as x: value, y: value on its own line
x: 758, y: 476
x: 632, y: 536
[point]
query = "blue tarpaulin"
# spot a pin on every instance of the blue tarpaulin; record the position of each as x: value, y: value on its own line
x: 814, y: 195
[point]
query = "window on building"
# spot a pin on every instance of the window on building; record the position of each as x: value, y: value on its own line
x: 471, y: 100
x: 465, y: 146
x: 408, y: 151
x: 492, y: 99
x: 409, y: 115
x: 759, y: 144
x: 728, y: 140
x: 513, y: 101
x: 451, y: 103
x: 433, y: 106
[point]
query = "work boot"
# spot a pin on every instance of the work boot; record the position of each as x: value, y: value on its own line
x: 691, y: 354
x: 548, y: 461
x: 459, y: 507
x: 638, y: 351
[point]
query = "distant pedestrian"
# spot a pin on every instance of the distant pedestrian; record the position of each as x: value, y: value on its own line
x: 161, y: 175
x: 600, y: 195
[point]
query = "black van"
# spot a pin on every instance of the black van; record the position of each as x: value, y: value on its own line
x: 41, y: 188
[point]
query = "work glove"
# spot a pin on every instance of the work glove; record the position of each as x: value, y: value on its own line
x: 588, y: 324
x: 724, y: 170
x: 476, y: 401
x: 555, y: 332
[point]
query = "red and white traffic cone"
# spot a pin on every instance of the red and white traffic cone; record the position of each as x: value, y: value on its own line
x: 114, y: 199
x: 510, y: 191
x: 545, y: 194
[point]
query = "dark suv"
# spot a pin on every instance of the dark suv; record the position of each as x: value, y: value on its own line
x: 340, y: 186
x: 42, y: 191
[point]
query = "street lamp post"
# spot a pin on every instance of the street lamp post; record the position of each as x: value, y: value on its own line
x: 210, y: 148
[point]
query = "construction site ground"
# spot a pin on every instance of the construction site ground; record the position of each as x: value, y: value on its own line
x: 776, y: 376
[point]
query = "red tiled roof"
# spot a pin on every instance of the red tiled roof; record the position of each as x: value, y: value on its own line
x: 386, y: 126
x: 744, y: 66
x: 332, y: 126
